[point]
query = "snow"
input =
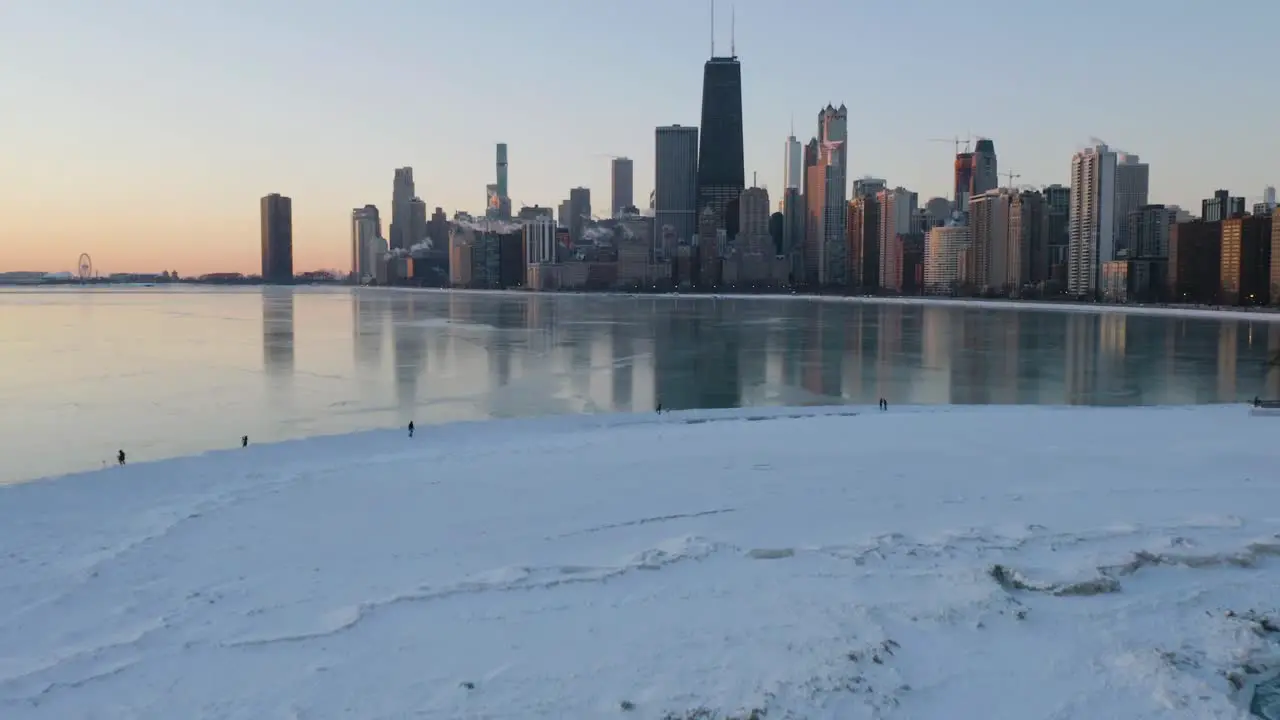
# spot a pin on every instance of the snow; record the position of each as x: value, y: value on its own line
x: 995, y: 562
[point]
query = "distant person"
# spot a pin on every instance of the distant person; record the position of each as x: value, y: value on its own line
x: 244, y: 441
x: 1257, y: 401
x: 410, y: 428
x: 659, y: 408
x: 884, y: 404
x: 120, y: 457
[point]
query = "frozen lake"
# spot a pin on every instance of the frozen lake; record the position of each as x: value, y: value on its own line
x: 163, y: 372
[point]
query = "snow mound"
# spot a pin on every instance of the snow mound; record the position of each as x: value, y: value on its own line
x: 765, y: 563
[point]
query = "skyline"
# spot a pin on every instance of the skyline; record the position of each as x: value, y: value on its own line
x: 153, y: 121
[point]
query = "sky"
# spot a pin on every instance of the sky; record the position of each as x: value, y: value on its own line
x: 144, y: 132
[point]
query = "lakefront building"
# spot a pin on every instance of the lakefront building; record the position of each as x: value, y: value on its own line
x: 1092, y: 224
x: 277, y: 238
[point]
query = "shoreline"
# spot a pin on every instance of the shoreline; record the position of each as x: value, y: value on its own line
x: 519, y: 428
x: 1262, y: 314
x: 1259, y: 314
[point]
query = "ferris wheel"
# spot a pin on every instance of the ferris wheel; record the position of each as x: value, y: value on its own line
x: 85, y: 267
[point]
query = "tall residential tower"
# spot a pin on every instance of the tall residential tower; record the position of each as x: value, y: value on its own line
x: 277, y: 238
x: 1092, y: 220
x: 504, y: 199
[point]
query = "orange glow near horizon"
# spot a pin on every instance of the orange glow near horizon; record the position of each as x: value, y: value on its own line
x: 194, y: 245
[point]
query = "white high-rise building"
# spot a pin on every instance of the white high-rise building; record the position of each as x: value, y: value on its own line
x: 942, y: 257
x: 1132, y: 185
x: 793, y: 164
x: 366, y: 229
x: 1091, y: 223
x: 1269, y: 197
x: 540, y: 240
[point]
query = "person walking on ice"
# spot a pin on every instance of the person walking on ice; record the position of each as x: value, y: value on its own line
x: 120, y: 457
x: 410, y: 428
x: 244, y: 441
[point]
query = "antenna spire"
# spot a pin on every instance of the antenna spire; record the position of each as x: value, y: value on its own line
x: 793, y: 123
x: 733, y: 12
x: 713, y: 28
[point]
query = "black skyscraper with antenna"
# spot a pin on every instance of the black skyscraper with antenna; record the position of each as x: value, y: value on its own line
x: 721, y: 175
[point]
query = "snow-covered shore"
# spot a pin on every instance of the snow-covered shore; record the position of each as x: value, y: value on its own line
x: 995, y: 562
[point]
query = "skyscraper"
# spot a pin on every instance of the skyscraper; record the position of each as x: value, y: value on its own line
x: 863, y: 230
x: 963, y: 180
x: 753, y: 259
x: 938, y: 212
x: 579, y: 213
x: 502, y: 170
x: 1092, y: 222
x: 402, y: 191
x: 985, y: 175
x: 943, y: 251
x: 563, y: 212
x: 995, y: 260
x: 721, y: 174
x: 793, y: 212
x: 1269, y: 197
x: 366, y: 228
x: 277, y: 238
x: 504, y: 200
x: 1275, y: 261
x: 675, y: 187
x: 492, y: 201
x: 810, y: 159
x: 417, y: 231
x: 1221, y: 206
x: 826, y: 241
x: 1026, y: 229
x: 438, y: 231
x: 1132, y: 182
x: 753, y: 220
x: 897, y: 207
x: 793, y: 163
x: 623, y: 197
x: 1245, y: 269
x: 1057, y: 236
x: 867, y: 186
x: 1148, y: 231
